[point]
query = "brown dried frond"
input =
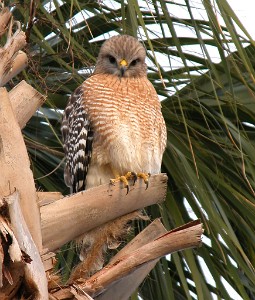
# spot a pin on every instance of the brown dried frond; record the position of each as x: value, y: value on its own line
x: 95, y: 243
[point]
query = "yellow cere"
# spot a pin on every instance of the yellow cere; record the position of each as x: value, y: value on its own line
x: 123, y: 62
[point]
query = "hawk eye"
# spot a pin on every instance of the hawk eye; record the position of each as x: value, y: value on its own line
x: 112, y: 60
x: 134, y: 62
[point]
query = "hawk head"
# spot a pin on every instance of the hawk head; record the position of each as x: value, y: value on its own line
x: 122, y: 56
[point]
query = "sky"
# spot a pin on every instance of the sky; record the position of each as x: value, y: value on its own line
x: 244, y: 9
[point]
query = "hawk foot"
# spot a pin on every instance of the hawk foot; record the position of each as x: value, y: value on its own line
x: 125, y: 178
x: 131, y: 176
x: 145, y: 177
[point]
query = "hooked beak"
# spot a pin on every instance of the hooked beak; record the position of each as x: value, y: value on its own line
x: 123, y: 67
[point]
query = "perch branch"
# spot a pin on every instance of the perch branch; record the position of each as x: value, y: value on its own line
x: 81, y: 212
x: 45, y: 198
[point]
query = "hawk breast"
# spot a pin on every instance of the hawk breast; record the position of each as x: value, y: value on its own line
x: 125, y: 115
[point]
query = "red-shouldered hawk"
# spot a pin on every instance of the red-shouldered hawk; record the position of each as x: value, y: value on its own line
x: 113, y: 123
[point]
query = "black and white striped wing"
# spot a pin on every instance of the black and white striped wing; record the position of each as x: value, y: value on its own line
x: 77, y: 137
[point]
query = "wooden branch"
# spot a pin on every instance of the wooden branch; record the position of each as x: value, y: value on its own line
x: 153, y: 231
x: 9, y: 277
x: 81, y: 212
x: 5, y: 16
x: 124, y: 288
x: 109, y: 281
x: 72, y: 293
x: 9, y: 52
x: 15, y: 167
x: 45, y: 198
x: 48, y: 260
x: 35, y: 277
x: 19, y: 63
x: 15, y: 273
x: 179, y: 239
x: 25, y: 101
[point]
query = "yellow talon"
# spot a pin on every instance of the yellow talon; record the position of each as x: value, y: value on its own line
x: 124, y: 179
x: 131, y: 176
x: 145, y: 177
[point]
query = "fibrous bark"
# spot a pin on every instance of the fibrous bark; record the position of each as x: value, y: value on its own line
x: 134, y: 260
x: 34, y: 275
x: 12, y: 61
x: 5, y: 16
x: 25, y: 101
x: 15, y: 168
